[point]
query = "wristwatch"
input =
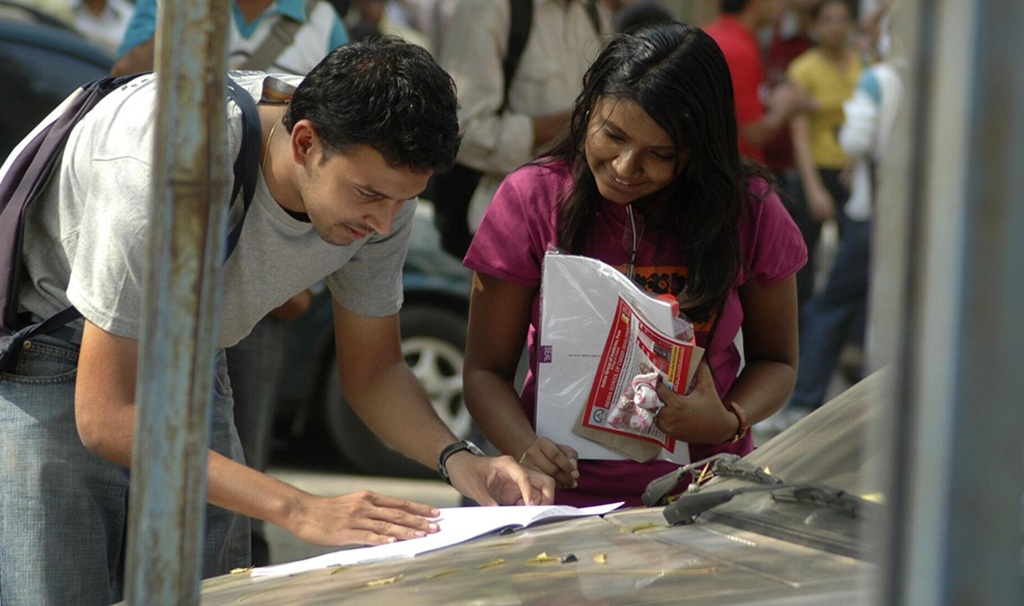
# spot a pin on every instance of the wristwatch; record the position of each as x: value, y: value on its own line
x: 452, y: 449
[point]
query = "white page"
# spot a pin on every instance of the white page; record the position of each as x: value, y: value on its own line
x: 458, y: 524
x: 579, y: 296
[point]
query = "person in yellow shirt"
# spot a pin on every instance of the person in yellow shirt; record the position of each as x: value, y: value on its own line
x: 829, y: 73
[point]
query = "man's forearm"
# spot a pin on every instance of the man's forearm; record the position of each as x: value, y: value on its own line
x: 246, y: 491
x: 394, y: 406
x: 764, y: 130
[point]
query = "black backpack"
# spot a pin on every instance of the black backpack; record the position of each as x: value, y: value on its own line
x: 29, y: 173
x: 453, y: 190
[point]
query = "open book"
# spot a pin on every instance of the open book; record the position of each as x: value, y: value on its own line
x: 458, y: 524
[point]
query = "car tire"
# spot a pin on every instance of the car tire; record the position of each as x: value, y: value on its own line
x: 433, y: 342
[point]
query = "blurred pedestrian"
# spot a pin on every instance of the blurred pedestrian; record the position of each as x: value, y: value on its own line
x: 648, y: 179
x: 374, y: 18
x: 760, y: 112
x: 869, y: 116
x: 502, y: 133
x: 283, y: 36
x: 791, y: 37
x: 828, y: 72
x: 432, y: 17
x: 101, y: 21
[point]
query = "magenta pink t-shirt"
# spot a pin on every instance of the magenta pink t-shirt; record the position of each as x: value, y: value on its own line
x: 520, y: 224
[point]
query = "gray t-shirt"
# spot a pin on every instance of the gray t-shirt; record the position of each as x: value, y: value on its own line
x: 86, y: 238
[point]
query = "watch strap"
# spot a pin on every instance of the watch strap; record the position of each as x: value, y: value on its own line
x: 451, y: 449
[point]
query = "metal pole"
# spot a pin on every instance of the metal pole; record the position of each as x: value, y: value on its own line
x: 168, y: 488
x: 956, y: 538
x: 896, y: 288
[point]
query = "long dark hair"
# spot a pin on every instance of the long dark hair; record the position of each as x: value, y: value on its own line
x: 677, y: 74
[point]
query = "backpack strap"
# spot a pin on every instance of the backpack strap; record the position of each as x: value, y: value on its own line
x: 458, y: 185
x: 247, y: 163
x: 25, y: 179
x: 518, y: 34
x: 591, y: 6
x: 279, y: 38
x: 31, y: 170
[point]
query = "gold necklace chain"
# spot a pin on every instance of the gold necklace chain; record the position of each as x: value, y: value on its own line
x: 266, y: 152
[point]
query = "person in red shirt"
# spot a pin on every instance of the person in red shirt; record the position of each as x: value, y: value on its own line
x: 791, y: 37
x: 760, y: 113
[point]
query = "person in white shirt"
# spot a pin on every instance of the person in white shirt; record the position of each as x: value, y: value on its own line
x: 563, y: 40
x: 101, y: 21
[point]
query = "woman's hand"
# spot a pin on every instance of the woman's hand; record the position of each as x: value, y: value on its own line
x: 555, y: 460
x: 699, y: 417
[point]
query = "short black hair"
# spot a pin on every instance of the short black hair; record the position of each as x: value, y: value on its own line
x: 384, y: 93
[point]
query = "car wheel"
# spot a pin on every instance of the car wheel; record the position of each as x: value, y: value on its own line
x: 433, y: 341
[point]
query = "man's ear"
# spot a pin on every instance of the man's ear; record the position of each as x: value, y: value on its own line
x: 305, y: 141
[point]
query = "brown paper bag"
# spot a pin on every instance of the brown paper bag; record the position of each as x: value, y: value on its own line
x: 634, y: 448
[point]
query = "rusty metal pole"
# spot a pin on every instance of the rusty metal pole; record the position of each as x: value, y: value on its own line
x: 190, y: 191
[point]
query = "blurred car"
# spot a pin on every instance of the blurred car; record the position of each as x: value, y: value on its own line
x: 783, y: 525
x: 41, y: 62
x: 433, y: 324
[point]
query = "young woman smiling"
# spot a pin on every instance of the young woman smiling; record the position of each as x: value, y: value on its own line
x: 649, y: 179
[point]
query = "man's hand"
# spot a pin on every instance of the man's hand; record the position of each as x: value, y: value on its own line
x: 138, y: 59
x: 555, y: 460
x: 363, y: 518
x: 782, y: 103
x: 498, y: 481
x: 294, y: 307
x: 786, y: 99
x: 820, y: 204
x: 547, y: 128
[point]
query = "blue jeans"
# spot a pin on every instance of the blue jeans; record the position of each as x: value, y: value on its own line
x: 256, y: 365
x: 829, y: 316
x: 64, y: 510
